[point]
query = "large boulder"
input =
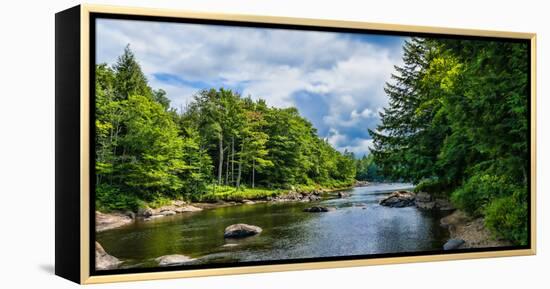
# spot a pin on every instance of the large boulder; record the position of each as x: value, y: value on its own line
x: 173, y: 260
x: 425, y: 201
x: 317, y: 209
x: 423, y: 197
x: 398, y: 199
x: 241, y: 231
x: 104, y: 261
x: 453, y: 244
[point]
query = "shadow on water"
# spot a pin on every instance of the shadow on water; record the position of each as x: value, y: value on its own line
x: 358, y: 226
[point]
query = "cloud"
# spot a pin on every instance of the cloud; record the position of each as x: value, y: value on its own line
x: 336, y: 80
x: 343, y: 142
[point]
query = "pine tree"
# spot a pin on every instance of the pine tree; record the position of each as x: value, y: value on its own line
x: 405, y: 143
x: 129, y: 78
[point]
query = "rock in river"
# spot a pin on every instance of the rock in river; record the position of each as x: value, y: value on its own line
x: 343, y: 195
x: 453, y: 244
x: 425, y: 201
x: 104, y: 261
x: 241, y: 231
x: 173, y: 260
x: 317, y: 209
x: 399, y: 199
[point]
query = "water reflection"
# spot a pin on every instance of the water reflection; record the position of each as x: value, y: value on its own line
x: 358, y: 226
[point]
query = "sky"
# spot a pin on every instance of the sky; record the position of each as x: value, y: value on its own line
x: 336, y: 80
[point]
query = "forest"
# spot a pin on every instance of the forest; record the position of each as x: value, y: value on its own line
x: 457, y: 126
x: 221, y: 146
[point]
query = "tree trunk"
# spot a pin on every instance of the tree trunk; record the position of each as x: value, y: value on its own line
x: 239, y: 168
x: 253, y: 171
x: 232, y: 160
x: 220, y: 163
x: 227, y: 168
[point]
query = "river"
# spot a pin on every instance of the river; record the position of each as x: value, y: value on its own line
x: 358, y: 226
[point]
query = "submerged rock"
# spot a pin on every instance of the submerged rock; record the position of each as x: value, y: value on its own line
x: 453, y: 244
x: 173, y: 260
x: 104, y: 261
x: 241, y: 231
x: 399, y: 199
x: 317, y: 209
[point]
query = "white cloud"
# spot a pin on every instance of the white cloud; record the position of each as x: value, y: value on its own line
x: 359, y: 147
x: 346, y: 73
x: 335, y: 138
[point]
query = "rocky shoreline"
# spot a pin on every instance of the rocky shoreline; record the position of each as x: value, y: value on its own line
x: 112, y: 220
x: 469, y: 232
x: 107, y: 221
x: 464, y: 231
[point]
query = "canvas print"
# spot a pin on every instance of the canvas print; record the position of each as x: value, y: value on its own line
x: 218, y: 144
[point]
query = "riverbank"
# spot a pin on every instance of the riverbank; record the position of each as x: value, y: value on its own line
x: 471, y: 232
x: 217, y: 197
x: 464, y: 231
x: 314, y: 228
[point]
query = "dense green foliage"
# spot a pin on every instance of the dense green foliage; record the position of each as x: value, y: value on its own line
x: 457, y: 125
x: 219, y: 147
x: 367, y: 170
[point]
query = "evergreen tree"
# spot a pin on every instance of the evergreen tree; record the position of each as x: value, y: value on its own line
x: 129, y: 78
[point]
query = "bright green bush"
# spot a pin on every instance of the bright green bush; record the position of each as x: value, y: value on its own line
x: 432, y: 186
x: 507, y: 218
x: 500, y: 201
x: 112, y: 199
x: 478, y: 191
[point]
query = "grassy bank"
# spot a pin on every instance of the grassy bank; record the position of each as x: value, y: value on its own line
x: 228, y: 193
x: 107, y: 201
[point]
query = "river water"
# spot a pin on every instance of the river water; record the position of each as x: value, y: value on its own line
x: 357, y: 226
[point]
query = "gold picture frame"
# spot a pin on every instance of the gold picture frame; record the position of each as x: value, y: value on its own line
x: 80, y: 241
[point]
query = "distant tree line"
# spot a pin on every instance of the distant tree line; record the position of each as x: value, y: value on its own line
x: 457, y: 125
x: 147, y: 150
